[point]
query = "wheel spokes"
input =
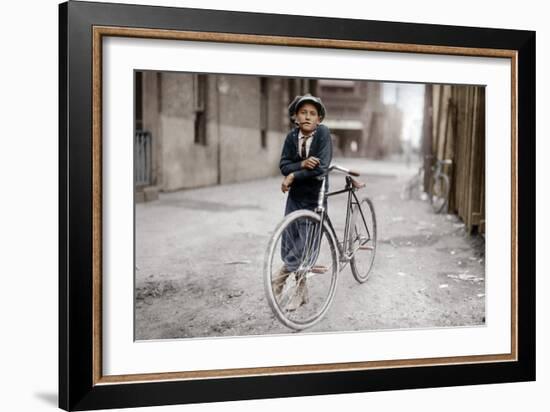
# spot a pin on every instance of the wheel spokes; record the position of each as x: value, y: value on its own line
x: 303, y: 291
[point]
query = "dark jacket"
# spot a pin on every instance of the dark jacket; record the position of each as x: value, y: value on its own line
x: 306, y: 185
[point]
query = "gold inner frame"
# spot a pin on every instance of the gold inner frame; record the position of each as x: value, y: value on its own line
x: 100, y: 31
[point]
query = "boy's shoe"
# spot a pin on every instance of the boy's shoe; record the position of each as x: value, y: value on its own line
x: 279, y: 282
x: 301, y: 297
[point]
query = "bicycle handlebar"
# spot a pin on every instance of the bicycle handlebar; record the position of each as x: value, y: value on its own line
x: 339, y: 169
x: 343, y: 170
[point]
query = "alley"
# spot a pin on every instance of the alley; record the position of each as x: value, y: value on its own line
x: 200, y: 253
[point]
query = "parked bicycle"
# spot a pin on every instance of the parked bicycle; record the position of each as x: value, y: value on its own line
x: 438, y: 185
x: 309, y: 238
x: 439, y: 193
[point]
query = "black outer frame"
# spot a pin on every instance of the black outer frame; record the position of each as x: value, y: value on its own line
x: 76, y: 389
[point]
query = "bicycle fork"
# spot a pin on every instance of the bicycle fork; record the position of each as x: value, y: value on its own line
x: 351, y: 218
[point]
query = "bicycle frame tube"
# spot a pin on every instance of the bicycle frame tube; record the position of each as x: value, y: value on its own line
x: 352, y: 200
x: 437, y: 168
x: 322, y: 212
x: 362, y: 215
x: 348, y: 222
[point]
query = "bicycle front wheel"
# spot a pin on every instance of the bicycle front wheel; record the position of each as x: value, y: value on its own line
x: 362, y: 240
x: 301, y: 269
x: 440, y: 193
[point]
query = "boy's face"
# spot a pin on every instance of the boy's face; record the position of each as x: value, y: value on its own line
x: 308, y: 118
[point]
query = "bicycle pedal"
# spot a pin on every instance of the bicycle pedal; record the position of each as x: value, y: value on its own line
x: 366, y: 247
x: 319, y: 269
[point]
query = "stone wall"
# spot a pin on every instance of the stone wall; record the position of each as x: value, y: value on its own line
x: 234, y: 149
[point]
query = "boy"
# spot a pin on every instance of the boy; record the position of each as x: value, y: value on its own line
x: 306, y: 154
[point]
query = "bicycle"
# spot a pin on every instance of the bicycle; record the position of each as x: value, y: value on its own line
x: 315, y: 256
x: 439, y: 184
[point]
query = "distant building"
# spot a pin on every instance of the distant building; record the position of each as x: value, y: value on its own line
x: 345, y: 100
x: 384, y: 132
x: 361, y: 124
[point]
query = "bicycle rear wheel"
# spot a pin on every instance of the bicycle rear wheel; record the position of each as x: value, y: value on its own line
x: 440, y: 193
x: 300, y: 270
x: 362, y: 240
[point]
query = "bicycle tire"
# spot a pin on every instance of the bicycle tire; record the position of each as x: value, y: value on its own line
x: 362, y: 239
x: 440, y: 193
x: 321, y: 287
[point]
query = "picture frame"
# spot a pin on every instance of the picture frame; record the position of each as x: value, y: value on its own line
x: 82, y: 384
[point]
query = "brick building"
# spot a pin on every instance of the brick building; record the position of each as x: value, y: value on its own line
x: 196, y: 130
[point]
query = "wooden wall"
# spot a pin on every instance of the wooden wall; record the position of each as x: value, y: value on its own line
x: 458, y: 134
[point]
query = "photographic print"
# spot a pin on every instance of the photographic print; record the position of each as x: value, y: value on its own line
x: 232, y: 237
x: 223, y: 205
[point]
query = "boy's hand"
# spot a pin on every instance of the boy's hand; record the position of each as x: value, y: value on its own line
x: 287, y: 182
x: 310, y: 163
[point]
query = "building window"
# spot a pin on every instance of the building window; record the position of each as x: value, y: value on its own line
x: 199, y: 107
x: 263, y: 112
x: 138, y: 100
x: 159, y: 92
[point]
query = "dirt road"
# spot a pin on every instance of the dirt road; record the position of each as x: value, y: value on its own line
x: 199, y: 256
